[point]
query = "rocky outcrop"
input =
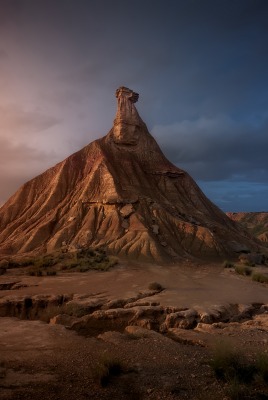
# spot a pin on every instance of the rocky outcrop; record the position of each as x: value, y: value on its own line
x: 122, y: 193
x: 93, y: 315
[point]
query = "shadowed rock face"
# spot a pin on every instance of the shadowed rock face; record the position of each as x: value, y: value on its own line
x: 121, y: 192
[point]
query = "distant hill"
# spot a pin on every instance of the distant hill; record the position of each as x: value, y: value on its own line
x: 255, y: 222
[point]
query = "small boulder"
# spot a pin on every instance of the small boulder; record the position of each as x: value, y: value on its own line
x: 155, y: 229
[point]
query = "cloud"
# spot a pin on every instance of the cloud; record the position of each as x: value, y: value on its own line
x: 218, y: 148
x: 3, y: 54
x: 19, y: 163
x: 15, y: 121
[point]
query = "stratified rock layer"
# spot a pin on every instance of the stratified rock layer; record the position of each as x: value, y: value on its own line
x: 122, y: 193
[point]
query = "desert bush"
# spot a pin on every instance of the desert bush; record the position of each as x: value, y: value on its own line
x: 21, y: 263
x: 236, y: 391
x: 107, y: 367
x: 230, y: 365
x: 46, y: 261
x: 51, y: 272
x: 228, y: 264
x: 99, y: 262
x: 243, y: 270
x: 81, y: 260
x: 258, y: 277
x: 155, y: 286
x: 262, y: 366
x: 27, y: 262
x: 35, y: 272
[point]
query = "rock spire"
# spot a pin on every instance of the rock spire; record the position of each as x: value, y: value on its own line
x: 127, y: 123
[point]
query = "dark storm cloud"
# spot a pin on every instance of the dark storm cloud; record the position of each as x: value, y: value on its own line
x: 218, y: 148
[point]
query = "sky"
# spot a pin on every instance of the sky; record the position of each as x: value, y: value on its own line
x: 200, y: 67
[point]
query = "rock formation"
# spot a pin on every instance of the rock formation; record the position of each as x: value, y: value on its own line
x: 255, y: 222
x: 122, y: 193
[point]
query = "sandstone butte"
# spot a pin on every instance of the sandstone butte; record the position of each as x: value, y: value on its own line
x: 122, y: 193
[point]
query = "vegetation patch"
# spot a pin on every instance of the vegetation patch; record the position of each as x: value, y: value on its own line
x: 39, y: 271
x: 228, y: 264
x: 106, y: 369
x: 229, y: 364
x: 81, y: 260
x: 258, y: 277
x: 155, y: 286
x: 242, y: 376
x: 243, y: 270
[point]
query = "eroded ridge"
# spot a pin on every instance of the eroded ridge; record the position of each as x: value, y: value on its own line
x: 94, y: 314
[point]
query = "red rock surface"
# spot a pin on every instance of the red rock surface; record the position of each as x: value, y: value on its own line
x: 121, y: 192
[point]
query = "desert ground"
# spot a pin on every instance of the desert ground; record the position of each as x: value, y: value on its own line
x: 60, y: 334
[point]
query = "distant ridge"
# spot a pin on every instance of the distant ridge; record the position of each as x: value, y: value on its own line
x: 122, y: 193
x: 255, y: 222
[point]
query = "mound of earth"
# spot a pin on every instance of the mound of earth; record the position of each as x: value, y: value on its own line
x: 122, y: 193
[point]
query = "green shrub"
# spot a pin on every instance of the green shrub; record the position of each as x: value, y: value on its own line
x: 258, y: 277
x: 243, y: 270
x: 228, y: 264
x: 229, y: 365
x: 155, y: 286
x: 108, y: 367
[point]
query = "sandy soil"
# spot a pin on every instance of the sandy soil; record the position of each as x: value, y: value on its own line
x: 186, y: 284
